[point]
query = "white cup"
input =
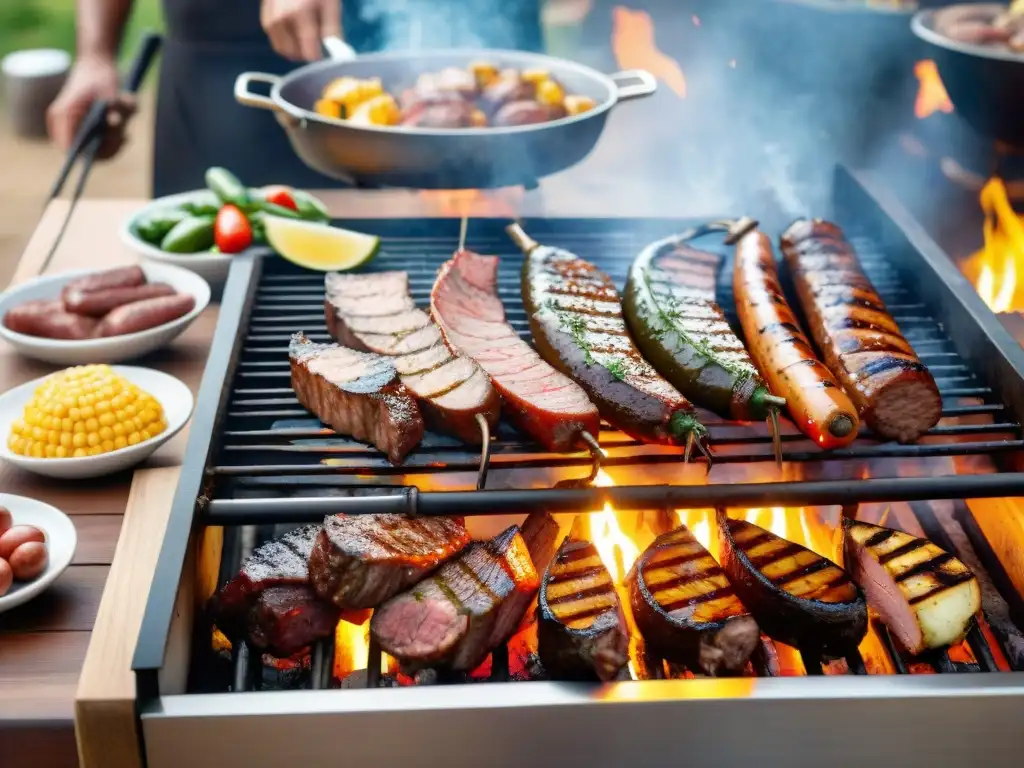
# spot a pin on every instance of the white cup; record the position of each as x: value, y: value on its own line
x: 32, y: 79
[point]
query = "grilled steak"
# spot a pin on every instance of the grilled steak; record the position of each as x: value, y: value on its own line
x: 581, y: 630
x: 454, y: 617
x: 924, y: 595
x: 359, y: 561
x: 576, y: 318
x: 797, y: 596
x: 450, y: 389
x: 686, y: 609
x: 860, y: 342
x: 357, y: 393
x: 542, y: 402
x: 286, y: 619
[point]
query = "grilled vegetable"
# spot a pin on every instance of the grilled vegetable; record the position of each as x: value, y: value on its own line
x: 671, y: 310
x: 227, y: 187
x: 819, y: 406
x: 924, y: 595
x: 797, y: 596
x: 686, y: 609
x: 192, y: 235
x: 581, y: 630
x: 577, y: 325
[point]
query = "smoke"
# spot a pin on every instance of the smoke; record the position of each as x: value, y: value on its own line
x: 430, y: 24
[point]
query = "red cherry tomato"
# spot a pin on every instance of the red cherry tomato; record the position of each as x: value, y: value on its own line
x: 280, y: 196
x: 232, y: 231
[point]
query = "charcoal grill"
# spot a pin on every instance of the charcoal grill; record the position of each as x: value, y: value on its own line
x: 257, y: 464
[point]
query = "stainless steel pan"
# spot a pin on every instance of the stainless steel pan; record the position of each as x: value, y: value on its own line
x: 428, y: 158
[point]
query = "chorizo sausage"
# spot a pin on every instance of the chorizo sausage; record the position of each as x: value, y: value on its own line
x: 818, y: 405
x: 122, y: 277
x: 47, y: 319
x: 100, y: 302
x: 146, y: 314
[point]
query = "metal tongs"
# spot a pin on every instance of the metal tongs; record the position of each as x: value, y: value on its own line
x: 90, y: 134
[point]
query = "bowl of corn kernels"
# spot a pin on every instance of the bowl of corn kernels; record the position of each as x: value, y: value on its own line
x: 91, y: 420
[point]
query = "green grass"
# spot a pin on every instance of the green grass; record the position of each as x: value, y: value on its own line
x: 51, y: 24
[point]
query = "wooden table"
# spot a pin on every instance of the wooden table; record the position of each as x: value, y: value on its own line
x: 43, y: 644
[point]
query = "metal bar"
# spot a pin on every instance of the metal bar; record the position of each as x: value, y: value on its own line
x: 890, y: 647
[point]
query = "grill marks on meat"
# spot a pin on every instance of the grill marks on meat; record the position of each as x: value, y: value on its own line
x: 454, y: 617
x: 286, y: 619
x: 375, y: 313
x: 925, y: 595
x: 577, y: 323
x: 357, y: 394
x: 860, y: 342
x: 359, y: 561
x: 797, y: 596
x: 538, y: 399
x: 581, y: 631
x: 686, y: 609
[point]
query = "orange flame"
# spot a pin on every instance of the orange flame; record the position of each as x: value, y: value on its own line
x: 635, y: 48
x: 931, y: 93
x: 994, y: 268
x: 456, y: 203
x: 351, y: 648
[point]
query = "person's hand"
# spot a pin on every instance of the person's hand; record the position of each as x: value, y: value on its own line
x: 90, y: 79
x: 296, y: 27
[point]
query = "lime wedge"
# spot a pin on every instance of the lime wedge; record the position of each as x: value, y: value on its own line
x: 318, y: 246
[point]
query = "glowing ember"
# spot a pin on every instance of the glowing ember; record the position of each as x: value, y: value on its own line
x: 931, y: 93
x: 994, y: 268
x: 634, y: 47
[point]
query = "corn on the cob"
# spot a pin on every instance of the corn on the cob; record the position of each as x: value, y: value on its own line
x: 85, y: 411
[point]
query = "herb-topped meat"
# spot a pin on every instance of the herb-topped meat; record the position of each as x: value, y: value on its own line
x: 576, y: 318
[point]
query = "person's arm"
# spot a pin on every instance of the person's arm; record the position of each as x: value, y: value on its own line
x: 94, y: 75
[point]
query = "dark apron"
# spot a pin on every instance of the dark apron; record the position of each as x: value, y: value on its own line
x: 209, y: 42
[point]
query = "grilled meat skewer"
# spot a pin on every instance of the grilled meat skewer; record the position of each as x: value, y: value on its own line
x: 548, y: 406
x: 797, y: 596
x: 860, y: 342
x: 819, y: 406
x: 356, y: 393
x: 375, y: 313
x: 686, y: 609
x: 576, y: 318
x: 926, y: 596
x: 671, y: 310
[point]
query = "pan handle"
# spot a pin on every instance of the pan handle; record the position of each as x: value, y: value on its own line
x: 249, y: 99
x: 337, y: 49
x: 646, y: 83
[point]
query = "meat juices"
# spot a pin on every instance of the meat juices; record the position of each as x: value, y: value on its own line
x: 686, y: 609
x: 860, y: 342
x: 797, y: 596
x: 542, y: 402
x: 925, y: 595
x: 455, y: 617
x: 357, y: 394
x: 581, y: 630
x: 359, y: 561
x: 375, y: 313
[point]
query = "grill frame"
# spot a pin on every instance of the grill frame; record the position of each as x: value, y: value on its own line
x: 988, y: 348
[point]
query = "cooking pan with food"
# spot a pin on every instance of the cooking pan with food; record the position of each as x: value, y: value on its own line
x: 438, y: 158
x: 984, y: 79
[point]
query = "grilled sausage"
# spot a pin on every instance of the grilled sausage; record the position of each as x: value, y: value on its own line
x: 819, y: 406
x: 100, y: 302
x: 526, y: 112
x: 576, y: 318
x: 48, y: 320
x: 860, y: 342
x: 508, y: 87
x: 146, y: 314
x: 122, y: 277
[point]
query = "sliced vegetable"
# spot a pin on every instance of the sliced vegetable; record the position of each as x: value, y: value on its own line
x: 155, y: 226
x: 192, y: 235
x: 232, y: 231
x: 277, y: 210
x: 281, y: 196
x: 226, y: 186
x: 319, y: 247
x: 310, y: 207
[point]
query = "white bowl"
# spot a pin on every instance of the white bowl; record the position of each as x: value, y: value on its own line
x: 111, y: 349
x: 61, y: 540
x: 174, y: 396
x: 212, y: 267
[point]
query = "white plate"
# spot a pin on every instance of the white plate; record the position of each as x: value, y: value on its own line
x: 212, y: 267
x: 61, y: 540
x: 107, y: 350
x: 174, y: 396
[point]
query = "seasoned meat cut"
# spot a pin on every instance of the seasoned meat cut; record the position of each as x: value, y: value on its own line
x: 375, y: 313
x: 542, y: 402
x: 286, y: 619
x: 359, y: 561
x: 356, y: 393
x: 686, y: 609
